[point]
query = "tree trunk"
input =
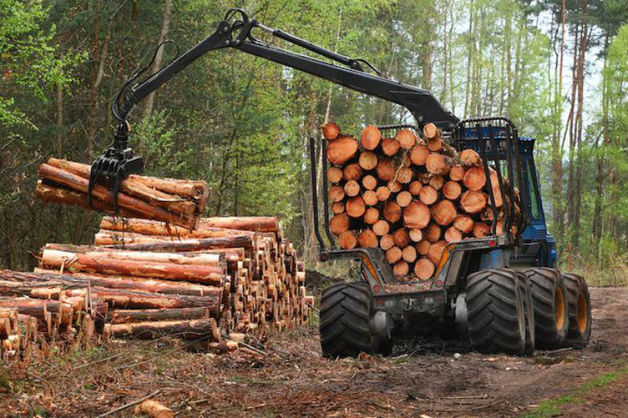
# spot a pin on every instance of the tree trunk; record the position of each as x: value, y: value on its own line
x: 94, y: 263
x: 84, y: 280
x: 59, y: 178
x: 165, y: 28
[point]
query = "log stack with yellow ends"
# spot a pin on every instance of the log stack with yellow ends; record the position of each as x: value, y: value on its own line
x: 409, y: 194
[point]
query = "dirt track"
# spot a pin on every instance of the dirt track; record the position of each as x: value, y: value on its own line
x: 293, y: 379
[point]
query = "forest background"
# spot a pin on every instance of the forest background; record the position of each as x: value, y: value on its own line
x: 558, y: 68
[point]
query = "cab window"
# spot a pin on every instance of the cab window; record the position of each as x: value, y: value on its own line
x: 535, y: 210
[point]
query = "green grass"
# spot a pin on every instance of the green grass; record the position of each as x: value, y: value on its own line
x: 551, y: 407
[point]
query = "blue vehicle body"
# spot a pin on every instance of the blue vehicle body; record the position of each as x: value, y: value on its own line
x: 536, y: 246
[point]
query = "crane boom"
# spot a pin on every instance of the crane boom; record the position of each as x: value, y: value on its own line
x: 119, y: 161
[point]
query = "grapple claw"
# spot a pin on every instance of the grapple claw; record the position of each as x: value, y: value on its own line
x: 110, y: 170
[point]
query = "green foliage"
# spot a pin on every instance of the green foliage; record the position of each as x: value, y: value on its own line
x: 242, y: 123
x: 28, y: 59
x: 5, y: 382
x: 158, y: 146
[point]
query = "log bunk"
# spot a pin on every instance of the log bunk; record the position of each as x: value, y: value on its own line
x: 410, y: 195
x: 229, y: 277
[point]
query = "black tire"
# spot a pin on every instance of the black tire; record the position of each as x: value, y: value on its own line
x: 344, y: 320
x: 526, y: 295
x: 496, y: 314
x: 551, y: 311
x: 579, y: 302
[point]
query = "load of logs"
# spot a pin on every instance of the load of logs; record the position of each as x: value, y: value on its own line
x: 145, y: 279
x: 408, y: 195
x: 180, y: 202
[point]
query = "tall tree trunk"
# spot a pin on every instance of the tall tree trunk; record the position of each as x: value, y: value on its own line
x: 59, y: 117
x: 427, y: 51
x: 584, y: 46
x: 558, y: 212
x: 443, y: 93
x: 517, y: 63
x: 470, y: 46
x: 100, y: 56
x: 165, y: 28
x: 508, y: 49
x: 596, y: 230
x: 572, y: 132
x: 91, y: 113
x: 449, y: 59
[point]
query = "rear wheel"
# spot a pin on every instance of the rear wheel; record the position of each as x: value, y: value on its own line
x: 345, y: 320
x: 579, y: 303
x: 551, y: 310
x: 496, y: 312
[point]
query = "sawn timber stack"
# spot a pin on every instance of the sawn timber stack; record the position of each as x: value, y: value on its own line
x: 36, y: 321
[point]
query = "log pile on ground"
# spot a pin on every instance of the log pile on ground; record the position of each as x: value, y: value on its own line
x: 180, y: 202
x: 263, y: 284
x: 410, y: 195
x: 37, y: 320
x: 144, y: 279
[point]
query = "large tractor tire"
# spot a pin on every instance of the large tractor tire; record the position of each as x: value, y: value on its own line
x: 345, y: 320
x: 551, y: 310
x: 496, y: 312
x: 579, y: 303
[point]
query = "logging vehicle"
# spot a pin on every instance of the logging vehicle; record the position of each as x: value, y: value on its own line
x: 500, y: 292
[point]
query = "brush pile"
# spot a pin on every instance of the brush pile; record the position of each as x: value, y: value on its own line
x: 409, y: 195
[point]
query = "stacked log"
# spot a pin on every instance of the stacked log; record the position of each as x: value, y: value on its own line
x: 144, y: 279
x: 180, y: 202
x: 410, y: 195
x: 264, y: 285
x: 173, y: 293
x: 37, y: 319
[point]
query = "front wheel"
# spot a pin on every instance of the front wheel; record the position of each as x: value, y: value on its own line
x: 496, y: 312
x: 345, y: 317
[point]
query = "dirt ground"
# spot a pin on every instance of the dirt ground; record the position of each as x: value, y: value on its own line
x: 291, y: 378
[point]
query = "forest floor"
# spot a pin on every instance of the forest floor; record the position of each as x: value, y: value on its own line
x: 292, y: 378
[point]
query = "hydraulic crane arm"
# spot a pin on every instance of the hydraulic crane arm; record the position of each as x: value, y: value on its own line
x: 119, y: 161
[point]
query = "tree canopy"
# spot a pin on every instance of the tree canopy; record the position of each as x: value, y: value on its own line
x: 556, y: 67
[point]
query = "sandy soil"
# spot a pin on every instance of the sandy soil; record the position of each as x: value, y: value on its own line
x: 291, y: 378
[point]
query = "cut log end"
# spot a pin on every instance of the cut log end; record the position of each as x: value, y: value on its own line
x: 331, y: 131
x: 340, y: 150
x: 406, y: 138
x: 371, y: 137
x: 424, y: 268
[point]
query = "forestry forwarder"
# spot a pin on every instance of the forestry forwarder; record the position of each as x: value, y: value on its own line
x: 503, y: 292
